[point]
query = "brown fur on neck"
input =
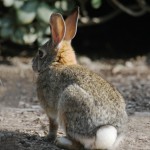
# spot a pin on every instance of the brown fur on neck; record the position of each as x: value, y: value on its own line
x: 66, y: 54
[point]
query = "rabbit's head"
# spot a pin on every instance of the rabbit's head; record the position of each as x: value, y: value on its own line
x: 62, y: 32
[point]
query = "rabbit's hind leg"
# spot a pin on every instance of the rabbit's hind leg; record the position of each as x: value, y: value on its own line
x: 53, y: 127
x: 68, y: 143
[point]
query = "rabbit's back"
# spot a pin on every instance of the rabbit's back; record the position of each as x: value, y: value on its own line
x: 91, y: 82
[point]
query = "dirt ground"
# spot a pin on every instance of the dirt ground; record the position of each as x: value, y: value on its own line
x: 24, y: 125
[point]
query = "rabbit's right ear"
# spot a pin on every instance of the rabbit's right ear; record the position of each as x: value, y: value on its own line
x: 71, y: 25
x: 58, y: 29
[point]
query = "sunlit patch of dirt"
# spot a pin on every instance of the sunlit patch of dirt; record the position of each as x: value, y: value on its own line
x: 24, y: 125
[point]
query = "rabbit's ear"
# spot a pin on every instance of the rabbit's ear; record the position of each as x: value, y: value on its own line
x: 71, y: 25
x: 57, y: 26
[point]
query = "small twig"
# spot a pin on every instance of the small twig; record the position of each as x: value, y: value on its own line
x: 85, y: 21
x: 128, y: 10
x: 131, y: 10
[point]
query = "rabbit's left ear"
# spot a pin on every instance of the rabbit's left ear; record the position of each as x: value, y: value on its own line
x: 57, y: 26
x: 71, y: 25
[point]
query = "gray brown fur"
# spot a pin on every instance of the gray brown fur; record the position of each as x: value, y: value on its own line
x: 87, y: 100
x: 77, y: 98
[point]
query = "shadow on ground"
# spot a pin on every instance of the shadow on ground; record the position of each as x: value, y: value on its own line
x: 21, y: 141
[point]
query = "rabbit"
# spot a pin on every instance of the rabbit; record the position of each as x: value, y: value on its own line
x: 90, y: 110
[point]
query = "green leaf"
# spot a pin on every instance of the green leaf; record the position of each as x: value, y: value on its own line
x: 65, y: 5
x: 42, y: 30
x: 44, y: 12
x: 17, y: 37
x: 6, y: 22
x: 58, y: 4
x: 27, y: 12
x: 42, y: 40
x: 96, y: 3
x: 47, y: 31
x: 29, y: 38
x: 8, y: 3
x: 6, y: 32
x: 18, y: 4
x: 24, y: 35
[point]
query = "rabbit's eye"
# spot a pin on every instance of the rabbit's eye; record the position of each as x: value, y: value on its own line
x: 41, y: 54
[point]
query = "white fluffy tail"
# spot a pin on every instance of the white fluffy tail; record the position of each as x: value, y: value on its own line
x: 106, y: 137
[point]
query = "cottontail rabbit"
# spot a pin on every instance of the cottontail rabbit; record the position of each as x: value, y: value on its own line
x: 90, y: 110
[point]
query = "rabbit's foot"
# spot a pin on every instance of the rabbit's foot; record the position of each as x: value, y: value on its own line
x: 51, y: 137
x: 66, y: 143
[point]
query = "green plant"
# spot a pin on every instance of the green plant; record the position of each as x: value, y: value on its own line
x: 26, y: 21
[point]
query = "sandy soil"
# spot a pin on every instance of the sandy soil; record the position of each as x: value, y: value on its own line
x: 24, y: 125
